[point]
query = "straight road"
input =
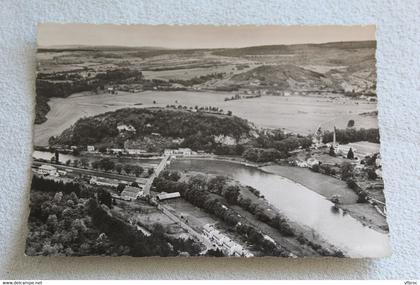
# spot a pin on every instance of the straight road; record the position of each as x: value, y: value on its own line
x: 155, y: 174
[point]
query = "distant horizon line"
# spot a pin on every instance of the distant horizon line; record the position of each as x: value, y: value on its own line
x: 63, y: 46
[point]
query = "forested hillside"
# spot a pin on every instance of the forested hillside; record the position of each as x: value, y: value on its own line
x: 196, y: 128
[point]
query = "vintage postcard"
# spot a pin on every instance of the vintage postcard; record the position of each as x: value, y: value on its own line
x: 241, y: 141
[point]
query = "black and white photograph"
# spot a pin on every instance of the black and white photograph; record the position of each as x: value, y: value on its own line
x: 211, y: 141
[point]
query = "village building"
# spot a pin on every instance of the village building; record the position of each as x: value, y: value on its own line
x: 115, y: 150
x: 126, y: 128
x: 47, y: 170
x: 135, y: 151
x: 311, y: 162
x: 133, y: 148
x: 344, y: 149
x: 225, y: 140
x: 165, y: 196
x: 132, y: 193
x: 111, y: 90
x: 143, y: 230
x: 378, y: 161
x: 224, y: 243
x: 178, y: 152
x: 136, y: 90
x: 90, y: 148
x: 101, y: 181
x: 178, y: 140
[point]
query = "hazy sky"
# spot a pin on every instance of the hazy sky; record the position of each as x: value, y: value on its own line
x: 196, y: 36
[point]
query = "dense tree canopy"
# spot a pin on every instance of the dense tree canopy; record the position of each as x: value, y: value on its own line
x: 197, y: 129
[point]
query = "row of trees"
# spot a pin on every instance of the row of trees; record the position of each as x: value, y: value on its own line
x: 203, y: 109
x: 213, y: 205
x: 231, y: 193
x: 198, y: 79
x: 270, y: 147
x: 262, y: 154
x: 204, y: 194
x: 238, y: 97
x: 349, y: 135
x: 108, y: 164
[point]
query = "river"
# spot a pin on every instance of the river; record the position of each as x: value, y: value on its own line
x: 301, y: 205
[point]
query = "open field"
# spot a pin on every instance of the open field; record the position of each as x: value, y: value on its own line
x: 188, y: 73
x: 322, y: 184
x: 363, y: 147
x: 148, y: 216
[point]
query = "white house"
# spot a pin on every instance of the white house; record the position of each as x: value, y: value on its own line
x: 178, y: 140
x: 47, y: 170
x: 134, y: 151
x: 224, y: 243
x: 90, y: 148
x: 300, y: 163
x: 378, y: 161
x: 185, y: 151
x: 132, y: 192
x: 168, y: 151
x: 165, y: 196
x: 179, y: 151
x: 343, y: 149
x: 312, y: 161
x: 126, y: 128
x: 115, y: 150
x: 101, y: 181
x: 225, y: 140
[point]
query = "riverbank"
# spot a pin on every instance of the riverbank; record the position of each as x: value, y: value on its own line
x: 257, y: 212
x: 324, y: 185
x: 301, y: 205
x: 328, y: 186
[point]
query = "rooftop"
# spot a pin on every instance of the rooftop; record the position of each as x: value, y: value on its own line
x: 164, y: 195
